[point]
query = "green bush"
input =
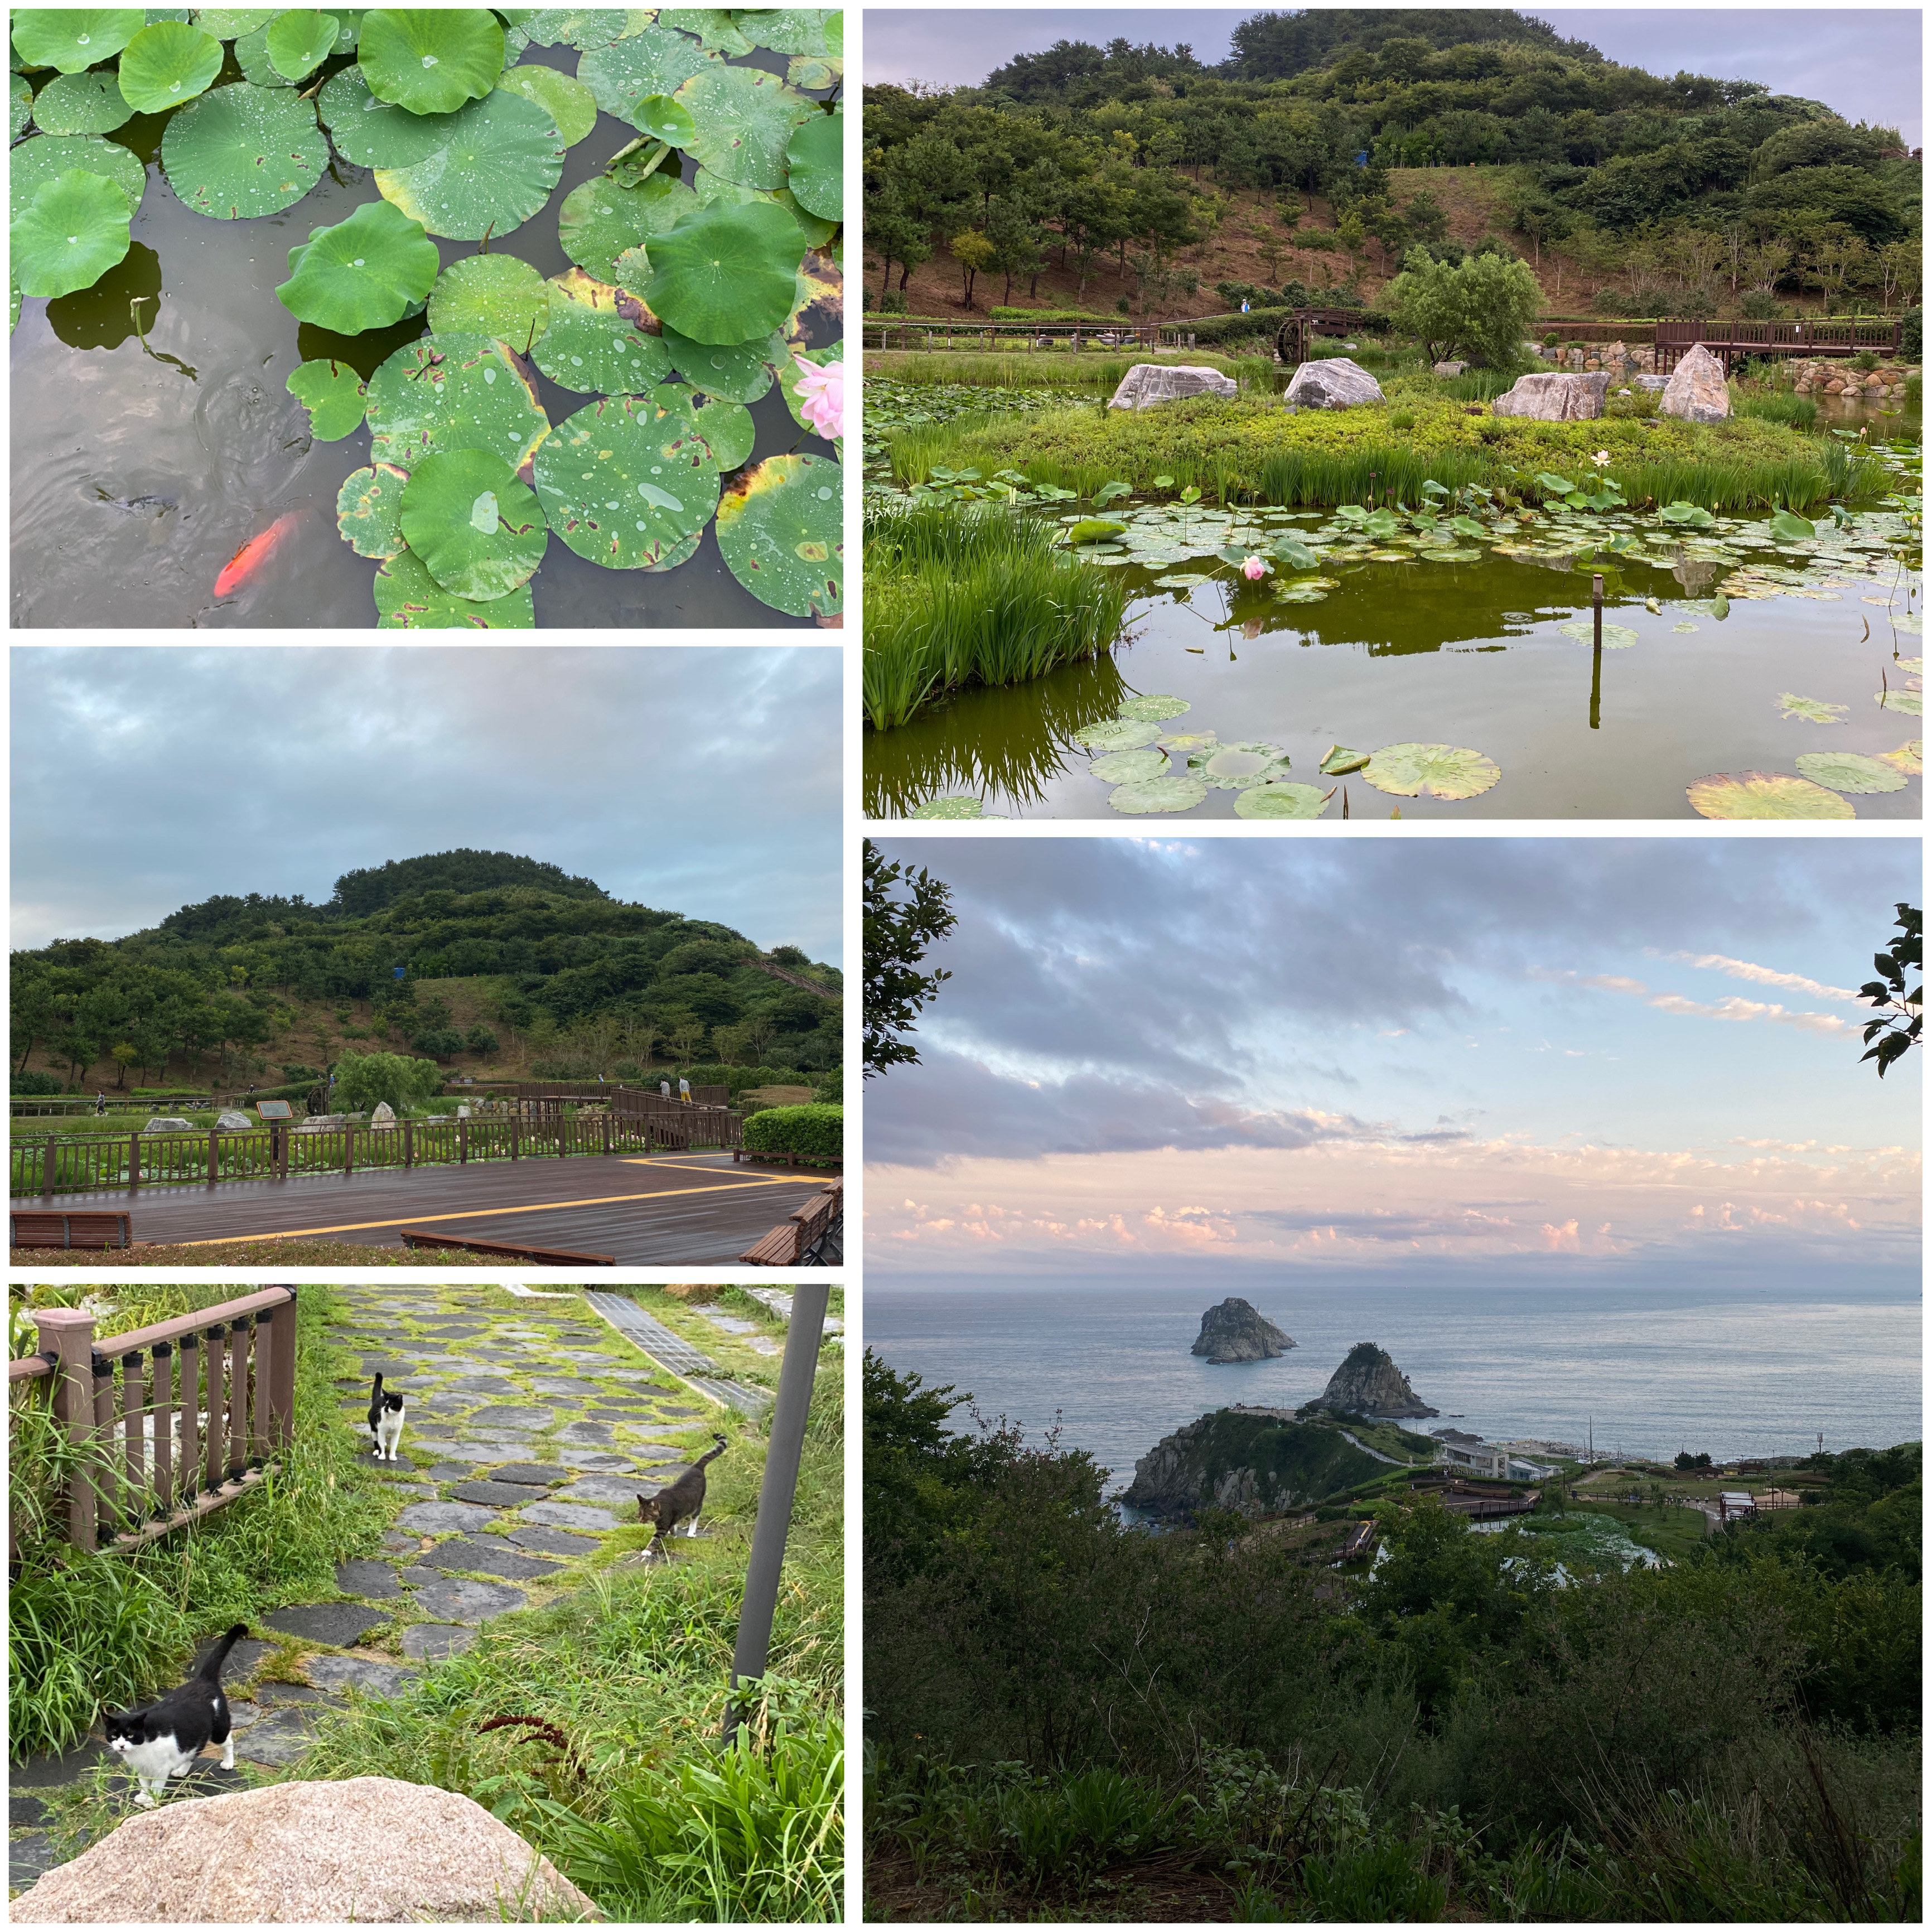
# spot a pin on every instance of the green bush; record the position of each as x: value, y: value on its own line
x: 893, y: 302
x: 1478, y: 311
x: 1911, y: 335
x: 34, y: 1083
x: 816, y: 1134
x: 830, y: 1090
x: 362, y: 1080
x: 1003, y: 314
x: 1760, y: 305
x: 1209, y: 329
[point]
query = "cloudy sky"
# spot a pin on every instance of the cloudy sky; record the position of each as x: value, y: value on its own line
x: 1863, y: 62
x: 702, y: 779
x: 1563, y: 1058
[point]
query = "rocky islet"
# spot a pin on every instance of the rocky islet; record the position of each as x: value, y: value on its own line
x: 1235, y: 1330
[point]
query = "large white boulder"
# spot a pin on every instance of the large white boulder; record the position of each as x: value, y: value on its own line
x: 366, y: 1851
x: 1147, y: 383
x: 384, y: 1115
x: 1555, y: 398
x: 230, y: 1122
x: 168, y: 1124
x: 1334, y: 382
x: 1696, y: 390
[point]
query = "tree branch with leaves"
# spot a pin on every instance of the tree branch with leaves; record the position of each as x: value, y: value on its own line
x: 1896, y: 1029
x: 898, y: 930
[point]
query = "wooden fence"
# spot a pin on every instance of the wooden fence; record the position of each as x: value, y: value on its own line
x: 1737, y: 340
x: 997, y: 335
x: 199, y: 1409
x: 51, y: 1165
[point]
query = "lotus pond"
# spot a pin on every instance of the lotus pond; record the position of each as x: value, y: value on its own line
x: 446, y: 318
x: 1437, y: 657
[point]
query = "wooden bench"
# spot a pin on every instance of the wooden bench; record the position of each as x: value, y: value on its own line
x: 506, y: 1251
x: 789, y: 1243
x: 95, y: 1228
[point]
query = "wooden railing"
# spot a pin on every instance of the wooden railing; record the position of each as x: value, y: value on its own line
x: 51, y: 1165
x: 879, y: 333
x: 199, y: 1409
x: 1739, y: 339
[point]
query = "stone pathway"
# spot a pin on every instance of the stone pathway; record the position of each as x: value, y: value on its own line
x: 671, y: 1351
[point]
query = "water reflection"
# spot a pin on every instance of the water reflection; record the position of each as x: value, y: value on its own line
x: 103, y: 317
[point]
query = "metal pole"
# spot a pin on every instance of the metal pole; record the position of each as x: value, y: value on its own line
x: 782, y: 1454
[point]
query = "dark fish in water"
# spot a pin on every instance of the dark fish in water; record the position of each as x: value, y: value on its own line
x: 136, y: 506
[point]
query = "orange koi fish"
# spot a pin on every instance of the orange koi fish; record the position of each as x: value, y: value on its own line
x: 253, y: 554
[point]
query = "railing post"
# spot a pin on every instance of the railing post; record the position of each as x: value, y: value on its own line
x: 68, y: 1333
x: 133, y: 1406
x: 218, y: 1423
x: 190, y: 1409
x: 164, y: 1433
x: 349, y: 1147
x: 237, y: 1397
x: 408, y: 1145
x: 214, y: 1155
x: 462, y: 1142
x: 47, y: 1169
x: 109, y: 1500
x: 134, y: 1162
x: 515, y: 1120
x: 282, y: 1372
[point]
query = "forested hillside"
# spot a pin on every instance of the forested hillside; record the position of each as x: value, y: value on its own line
x: 1137, y: 175
x: 526, y: 957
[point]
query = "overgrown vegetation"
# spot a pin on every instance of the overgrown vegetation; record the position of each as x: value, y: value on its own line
x: 815, y: 1134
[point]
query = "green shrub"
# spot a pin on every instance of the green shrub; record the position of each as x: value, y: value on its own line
x: 1800, y: 411
x: 830, y: 1089
x: 34, y: 1083
x: 362, y: 1080
x: 1760, y: 305
x: 1008, y: 314
x: 1478, y: 311
x: 1865, y: 361
x: 893, y: 302
x: 1208, y: 330
x: 816, y: 1134
x: 1911, y: 335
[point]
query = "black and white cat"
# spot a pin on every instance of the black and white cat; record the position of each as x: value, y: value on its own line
x: 677, y: 1500
x: 385, y: 1422
x: 161, y: 1740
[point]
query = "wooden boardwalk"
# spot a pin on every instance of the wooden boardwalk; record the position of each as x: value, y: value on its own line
x: 694, y: 1209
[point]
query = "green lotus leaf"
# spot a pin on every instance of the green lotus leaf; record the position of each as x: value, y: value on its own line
x: 362, y: 273
x: 724, y: 274
x: 230, y: 23
x: 1558, y: 486
x: 1764, y: 795
x: 593, y: 343
x: 72, y: 232
x: 1691, y: 515
x: 1433, y: 771
x: 490, y: 295
x: 1117, y: 734
x: 816, y: 157
x: 663, y: 119
x: 1912, y: 703
x: 495, y: 172
x: 47, y: 156
x: 297, y: 43
x: 1092, y: 530
x: 715, y: 26
x: 81, y: 103
x: 1815, y: 710
x: 727, y: 426
x: 20, y: 105
x: 1616, y: 636
x: 813, y: 73
x: 623, y: 480
x: 583, y: 27
x: 251, y: 56
x: 1172, y: 791
x: 408, y: 598
x: 368, y: 510
x: 655, y: 62
x: 1290, y: 550
x: 1299, y: 593
x: 745, y: 119
x: 1339, y: 761
x: 740, y: 372
x: 430, y: 60
x: 1154, y: 706
x: 243, y: 151
x: 950, y: 807
x: 792, y: 30
x: 818, y: 300
x: 1909, y: 758
x: 167, y: 65
x: 567, y: 101
x: 479, y: 532
x: 1789, y: 528
x: 373, y: 134
x: 1144, y: 761
x: 348, y: 29
x: 709, y: 186
x: 334, y: 395
x: 13, y: 300
x: 782, y: 533
x: 72, y: 38
x: 1234, y: 767
x: 1282, y: 798
x: 1850, y: 771
x: 1384, y: 524
x: 600, y: 220
x: 442, y: 392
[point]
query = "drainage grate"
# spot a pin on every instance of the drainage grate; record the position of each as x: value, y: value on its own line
x: 670, y: 1351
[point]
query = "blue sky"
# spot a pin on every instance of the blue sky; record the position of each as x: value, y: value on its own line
x: 702, y: 779
x: 1863, y: 62
x: 1290, y: 1050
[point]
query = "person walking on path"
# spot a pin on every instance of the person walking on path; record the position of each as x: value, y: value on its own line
x: 684, y: 1090
x: 100, y: 1102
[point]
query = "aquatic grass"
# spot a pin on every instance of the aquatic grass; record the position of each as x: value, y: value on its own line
x: 1779, y: 406
x: 1477, y: 385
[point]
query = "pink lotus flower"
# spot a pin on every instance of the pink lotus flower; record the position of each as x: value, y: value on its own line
x: 1254, y: 569
x: 821, y: 394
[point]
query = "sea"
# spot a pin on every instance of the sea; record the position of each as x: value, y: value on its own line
x: 1636, y: 1370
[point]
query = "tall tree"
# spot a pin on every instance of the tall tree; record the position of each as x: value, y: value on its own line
x: 897, y: 931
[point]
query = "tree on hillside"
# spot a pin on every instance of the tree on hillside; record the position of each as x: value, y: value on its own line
x: 972, y: 251
x: 897, y: 933
x: 1477, y: 312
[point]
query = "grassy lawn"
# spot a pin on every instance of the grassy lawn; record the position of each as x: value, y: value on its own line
x: 1673, y: 1532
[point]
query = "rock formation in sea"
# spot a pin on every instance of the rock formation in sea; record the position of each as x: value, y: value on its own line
x: 1369, y: 1383
x: 1234, y: 1331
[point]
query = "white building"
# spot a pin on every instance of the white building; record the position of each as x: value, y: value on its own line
x: 1497, y: 1461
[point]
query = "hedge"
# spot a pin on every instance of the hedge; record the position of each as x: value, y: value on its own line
x: 31, y: 1084
x: 816, y: 1134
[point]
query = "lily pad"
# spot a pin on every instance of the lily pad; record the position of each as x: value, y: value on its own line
x: 623, y: 480
x: 1289, y: 550
x: 1144, y: 761
x: 430, y: 60
x: 724, y: 274
x: 1814, y: 710
x: 1117, y: 734
x: 368, y: 510
x: 582, y: 28
x: 298, y: 43
x: 1172, y: 791
x: 745, y: 119
x: 167, y: 65
x: 1093, y: 530
x: 1153, y: 706
x: 1687, y: 516
x: 362, y: 273
x: 1338, y: 761
x: 663, y: 119
x: 593, y: 343
x: 72, y: 38
x: 1909, y: 758
x: 496, y: 171
x: 73, y: 231
x: 1299, y: 593
x: 782, y: 533
x: 230, y: 23
x: 1764, y: 795
x: 1616, y: 636
x: 479, y: 532
x: 373, y: 134
x: 1282, y: 798
x: 1182, y: 579
x: 334, y: 395
x: 1235, y: 767
x: 39, y: 161
x: 243, y: 151
x: 490, y: 295
x: 1850, y: 771
x: 709, y: 187
x: 408, y: 598
x: 600, y: 220
x: 443, y: 392
x: 1791, y: 528
x: 727, y: 426
x: 740, y: 372
x: 656, y: 61
x: 81, y: 103
x: 950, y: 807
x: 565, y: 99
x: 715, y: 26
x: 815, y: 159
x: 791, y: 30
x: 814, y: 72
x: 1433, y: 771
x: 1912, y: 703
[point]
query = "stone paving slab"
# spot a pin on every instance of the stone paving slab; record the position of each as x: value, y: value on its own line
x: 360, y: 1578
x: 27, y: 1858
x: 341, y: 1624
x: 478, y: 1452
x: 567, y: 1515
x: 513, y: 1415
x: 278, y: 1739
x: 592, y: 1432
x: 450, y: 1472
x: 434, y: 1516
x: 591, y: 1459
x: 428, y: 1641
x: 24, y: 1808
x: 563, y: 1385
x: 274, y: 1695
x: 530, y: 1472
x: 594, y: 1490
x: 499, y: 1495
x: 484, y: 1385
x: 399, y: 1541
x: 558, y: 1542
x: 376, y: 1676
x: 459, y: 1554
x: 455, y: 1599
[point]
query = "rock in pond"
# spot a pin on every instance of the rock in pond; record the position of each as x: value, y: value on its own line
x: 1333, y: 383
x: 1368, y: 1383
x: 1147, y: 383
x: 1555, y: 398
x: 1234, y: 1331
x: 1696, y: 390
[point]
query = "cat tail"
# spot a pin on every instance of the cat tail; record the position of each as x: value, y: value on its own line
x: 218, y: 1656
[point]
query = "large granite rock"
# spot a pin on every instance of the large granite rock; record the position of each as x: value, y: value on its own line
x: 1450, y: 368
x: 1555, y: 398
x: 1234, y: 1331
x: 230, y: 1122
x: 384, y: 1115
x: 1333, y: 383
x: 1696, y: 390
x: 1147, y: 383
x: 1369, y: 1383
x: 361, y: 1850
x: 168, y: 1124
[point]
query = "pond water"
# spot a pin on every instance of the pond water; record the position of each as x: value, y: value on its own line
x: 138, y: 472
x: 1730, y: 650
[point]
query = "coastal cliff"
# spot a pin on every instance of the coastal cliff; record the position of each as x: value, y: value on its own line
x: 1368, y: 1383
x: 1234, y: 1331
x: 1259, y: 1461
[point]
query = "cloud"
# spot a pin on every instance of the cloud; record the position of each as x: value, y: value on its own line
x: 1742, y: 969
x: 1731, y: 1009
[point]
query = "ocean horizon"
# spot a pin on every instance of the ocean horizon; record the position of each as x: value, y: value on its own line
x: 1733, y: 1370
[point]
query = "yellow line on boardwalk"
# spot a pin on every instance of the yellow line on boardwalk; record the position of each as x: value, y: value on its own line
x: 474, y: 1214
